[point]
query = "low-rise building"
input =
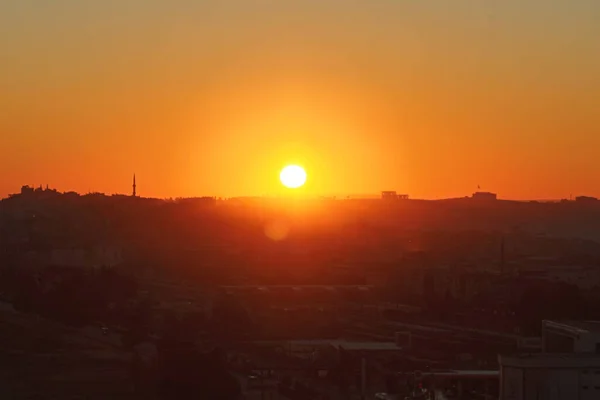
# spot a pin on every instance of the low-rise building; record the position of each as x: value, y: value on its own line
x: 392, y: 195
x: 571, y: 337
x: 484, y: 196
x: 550, y: 376
x: 567, y: 369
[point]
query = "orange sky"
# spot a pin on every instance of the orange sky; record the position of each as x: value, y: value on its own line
x: 429, y: 98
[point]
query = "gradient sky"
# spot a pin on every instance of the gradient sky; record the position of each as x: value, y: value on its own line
x: 430, y: 98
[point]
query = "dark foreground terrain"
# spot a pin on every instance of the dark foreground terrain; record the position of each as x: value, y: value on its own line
x: 40, y: 359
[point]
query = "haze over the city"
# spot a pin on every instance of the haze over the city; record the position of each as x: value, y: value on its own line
x: 430, y: 98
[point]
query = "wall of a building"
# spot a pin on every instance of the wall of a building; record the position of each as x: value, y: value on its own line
x: 589, y: 384
x: 511, y: 385
x: 557, y: 343
x: 587, y: 343
x: 550, y: 383
x: 561, y: 342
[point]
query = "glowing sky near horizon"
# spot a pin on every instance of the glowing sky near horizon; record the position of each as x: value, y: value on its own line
x: 430, y: 98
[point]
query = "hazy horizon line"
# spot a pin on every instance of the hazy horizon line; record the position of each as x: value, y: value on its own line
x: 355, y: 196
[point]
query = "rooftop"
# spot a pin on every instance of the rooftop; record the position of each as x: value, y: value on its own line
x: 343, y: 344
x: 369, y: 346
x: 554, y: 360
x: 576, y: 327
x: 464, y: 373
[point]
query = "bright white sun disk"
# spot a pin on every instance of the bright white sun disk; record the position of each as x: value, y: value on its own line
x: 292, y: 176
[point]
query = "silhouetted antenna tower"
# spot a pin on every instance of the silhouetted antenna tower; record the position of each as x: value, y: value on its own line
x: 134, y: 187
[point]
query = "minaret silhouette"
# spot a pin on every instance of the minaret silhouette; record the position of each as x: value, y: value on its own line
x: 134, y: 186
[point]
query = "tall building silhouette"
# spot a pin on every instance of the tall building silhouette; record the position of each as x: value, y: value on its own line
x: 134, y: 187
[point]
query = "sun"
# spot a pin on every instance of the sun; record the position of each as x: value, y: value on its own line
x: 292, y: 176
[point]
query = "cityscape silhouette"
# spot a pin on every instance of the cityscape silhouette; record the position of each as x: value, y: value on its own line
x: 299, y: 200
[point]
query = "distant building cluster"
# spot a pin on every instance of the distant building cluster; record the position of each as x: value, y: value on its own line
x: 435, y: 290
x: 30, y: 190
x: 484, y: 196
x: 392, y: 195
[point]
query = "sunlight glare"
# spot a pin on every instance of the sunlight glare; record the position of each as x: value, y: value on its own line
x: 292, y: 176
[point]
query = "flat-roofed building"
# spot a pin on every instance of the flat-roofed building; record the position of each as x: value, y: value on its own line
x: 484, y: 196
x: 571, y: 337
x: 550, y: 376
x: 392, y: 195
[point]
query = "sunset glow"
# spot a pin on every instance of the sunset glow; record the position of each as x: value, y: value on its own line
x: 427, y: 98
x: 204, y: 190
